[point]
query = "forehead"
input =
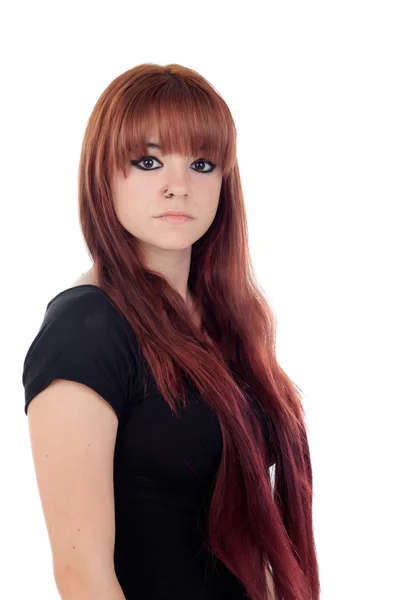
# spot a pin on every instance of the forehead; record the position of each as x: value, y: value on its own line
x: 152, y: 139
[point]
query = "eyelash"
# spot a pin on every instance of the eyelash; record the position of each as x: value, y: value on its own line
x: 135, y: 163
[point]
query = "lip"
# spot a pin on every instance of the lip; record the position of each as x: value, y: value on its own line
x: 175, y: 213
x: 175, y: 218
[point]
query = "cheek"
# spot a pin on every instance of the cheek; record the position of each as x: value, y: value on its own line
x: 213, y: 207
x: 121, y: 206
x: 206, y: 216
x: 126, y: 201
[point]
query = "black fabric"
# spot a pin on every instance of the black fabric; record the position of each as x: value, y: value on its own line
x: 164, y: 466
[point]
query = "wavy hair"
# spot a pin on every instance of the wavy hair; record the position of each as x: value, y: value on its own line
x: 265, y: 536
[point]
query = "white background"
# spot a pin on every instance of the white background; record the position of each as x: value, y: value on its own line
x: 314, y: 91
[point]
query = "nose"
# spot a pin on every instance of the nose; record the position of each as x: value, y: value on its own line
x: 177, y: 183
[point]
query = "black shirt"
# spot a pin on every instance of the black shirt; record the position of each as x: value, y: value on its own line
x: 164, y: 466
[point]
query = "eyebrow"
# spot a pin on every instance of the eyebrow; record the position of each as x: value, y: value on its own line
x: 157, y: 146
x: 152, y: 145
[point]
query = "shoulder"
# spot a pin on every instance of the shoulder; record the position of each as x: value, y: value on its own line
x: 83, y: 300
x: 80, y: 299
x: 88, y: 318
x: 84, y: 296
x: 85, y: 338
x: 89, y: 277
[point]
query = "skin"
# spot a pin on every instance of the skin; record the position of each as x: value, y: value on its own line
x: 139, y: 198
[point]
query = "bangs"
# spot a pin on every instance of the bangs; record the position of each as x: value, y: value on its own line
x: 182, y: 118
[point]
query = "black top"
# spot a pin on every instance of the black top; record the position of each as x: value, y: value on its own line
x: 164, y: 466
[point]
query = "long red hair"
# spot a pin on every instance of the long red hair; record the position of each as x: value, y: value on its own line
x: 259, y: 526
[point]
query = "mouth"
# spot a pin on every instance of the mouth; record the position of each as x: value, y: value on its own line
x: 175, y: 218
x: 175, y: 213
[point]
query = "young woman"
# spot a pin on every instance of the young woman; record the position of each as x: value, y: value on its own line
x: 157, y: 407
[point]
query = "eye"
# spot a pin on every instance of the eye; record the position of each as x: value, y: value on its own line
x: 203, y: 161
x: 151, y: 159
x: 147, y: 159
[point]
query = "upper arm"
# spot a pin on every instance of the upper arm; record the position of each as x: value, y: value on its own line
x: 72, y: 432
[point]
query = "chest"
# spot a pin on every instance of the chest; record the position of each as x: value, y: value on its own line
x: 166, y: 451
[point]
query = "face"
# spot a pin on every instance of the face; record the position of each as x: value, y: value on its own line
x: 195, y: 186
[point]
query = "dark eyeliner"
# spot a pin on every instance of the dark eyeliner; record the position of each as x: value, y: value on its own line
x: 135, y: 163
x: 213, y: 165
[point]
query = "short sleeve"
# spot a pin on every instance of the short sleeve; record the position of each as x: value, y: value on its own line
x: 82, y: 338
